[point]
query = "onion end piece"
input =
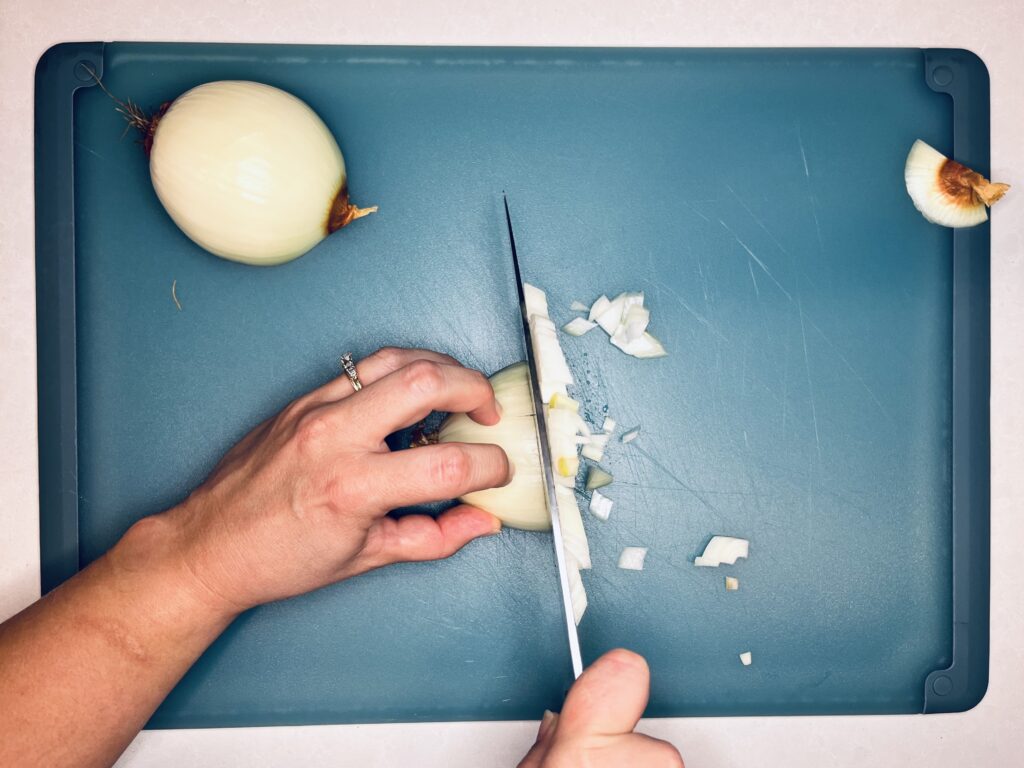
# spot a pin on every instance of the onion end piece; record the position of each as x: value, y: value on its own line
x: 946, y: 192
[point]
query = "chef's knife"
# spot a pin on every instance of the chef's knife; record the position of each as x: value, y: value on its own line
x: 545, y: 461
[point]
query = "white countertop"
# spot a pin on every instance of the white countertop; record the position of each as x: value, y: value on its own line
x: 985, y: 736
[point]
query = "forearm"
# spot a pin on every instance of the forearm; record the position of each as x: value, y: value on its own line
x: 83, y: 669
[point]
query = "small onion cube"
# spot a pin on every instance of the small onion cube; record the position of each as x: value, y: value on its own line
x: 600, y: 506
x: 746, y: 658
x: 609, y: 424
x: 592, y: 452
x: 632, y: 558
x: 731, y: 584
x: 630, y: 435
x: 578, y: 326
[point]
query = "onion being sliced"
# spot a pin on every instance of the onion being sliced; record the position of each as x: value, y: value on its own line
x: 722, y: 549
x: 577, y: 593
x: 632, y: 558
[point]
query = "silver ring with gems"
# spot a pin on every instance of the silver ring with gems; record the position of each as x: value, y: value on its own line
x: 350, y: 370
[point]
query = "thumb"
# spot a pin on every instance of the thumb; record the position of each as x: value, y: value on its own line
x: 609, y: 697
x: 545, y: 736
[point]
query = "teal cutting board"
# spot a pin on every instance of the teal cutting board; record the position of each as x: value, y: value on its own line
x: 825, y: 395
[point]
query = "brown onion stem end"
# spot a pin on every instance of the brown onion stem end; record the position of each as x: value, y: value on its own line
x: 343, y: 212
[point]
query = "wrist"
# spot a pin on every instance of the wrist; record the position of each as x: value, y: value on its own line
x: 156, y: 550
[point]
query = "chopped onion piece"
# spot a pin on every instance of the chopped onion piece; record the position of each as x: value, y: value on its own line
x: 598, y: 307
x: 630, y: 435
x: 600, y: 506
x: 536, y: 301
x: 609, y: 424
x: 722, y: 549
x: 567, y: 466
x: 632, y: 558
x: 581, y: 426
x: 579, y: 306
x: 564, y: 402
x: 578, y: 326
x: 646, y: 346
x: 611, y: 318
x: 746, y: 658
x: 636, y: 320
x: 598, y: 478
x: 731, y: 584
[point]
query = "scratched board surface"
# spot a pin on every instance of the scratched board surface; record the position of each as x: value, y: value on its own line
x: 755, y: 197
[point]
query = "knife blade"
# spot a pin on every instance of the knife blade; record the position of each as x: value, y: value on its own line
x: 545, y: 460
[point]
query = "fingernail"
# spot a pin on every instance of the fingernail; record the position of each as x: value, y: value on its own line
x: 496, y: 527
x: 546, y: 723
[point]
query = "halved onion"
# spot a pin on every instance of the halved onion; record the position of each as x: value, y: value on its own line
x: 946, y: 192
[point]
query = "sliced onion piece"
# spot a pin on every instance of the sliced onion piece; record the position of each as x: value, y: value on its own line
x: 594, y: 450
x: 598, y: 307
x: 565, y: 403
x: 731, y: 584
x: 600, y: 506
x: 578, y: 326
x: 598, y: 478
x: 722, y: 549
x: 630, y: 435
x: 579, y: 306
x: 536, y: 301
x: 574, y: 537
x: 567, y: 466
x: 577, y: 593
x: 609, y: 424
x: 632, y: 558
x: 745, y: 658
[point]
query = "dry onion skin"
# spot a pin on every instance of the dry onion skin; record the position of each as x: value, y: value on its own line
x: 946, y: 192
x: 247, y: 171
